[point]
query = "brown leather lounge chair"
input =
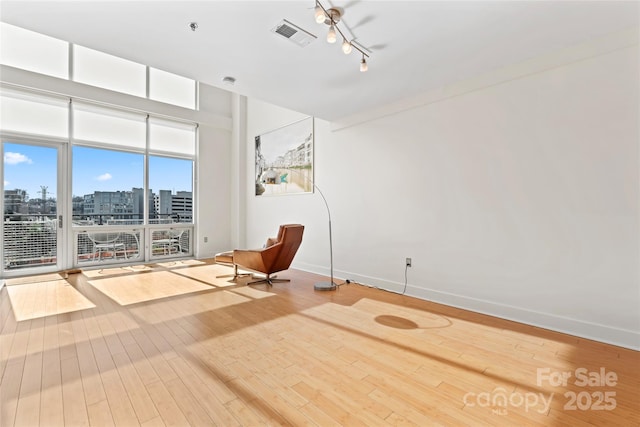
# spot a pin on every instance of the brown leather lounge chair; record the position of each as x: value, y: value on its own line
x: 276, y: 256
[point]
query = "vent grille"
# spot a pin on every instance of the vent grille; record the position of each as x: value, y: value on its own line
x: 293, y: 33
x: 285, y: 30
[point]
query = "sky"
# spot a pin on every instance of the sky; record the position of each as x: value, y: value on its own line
x: 29, y: 167
x: 278, y: 142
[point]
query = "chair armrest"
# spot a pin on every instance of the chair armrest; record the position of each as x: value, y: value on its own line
x: 249, y: 258
x: 257, y: 259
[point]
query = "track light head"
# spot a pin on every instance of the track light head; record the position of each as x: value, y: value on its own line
x: 331, y: 35
x: 319, y: 14
x: 346, y: 47
x: 363, y: 65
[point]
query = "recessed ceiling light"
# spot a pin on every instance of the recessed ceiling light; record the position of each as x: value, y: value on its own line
x: 229, y: 80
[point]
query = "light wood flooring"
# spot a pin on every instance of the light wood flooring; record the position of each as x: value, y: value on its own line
x: 169, y: 344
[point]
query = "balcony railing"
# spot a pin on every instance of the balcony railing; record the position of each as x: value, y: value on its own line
x: 130, y: 219
x: 172, y: 242
x: 29, y: 240
x: 117, y: 245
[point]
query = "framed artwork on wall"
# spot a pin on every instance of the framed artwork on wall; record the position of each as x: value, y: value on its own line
x: 284, y: 160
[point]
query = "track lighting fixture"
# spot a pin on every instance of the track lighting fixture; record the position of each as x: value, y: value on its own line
x: 331, y: 17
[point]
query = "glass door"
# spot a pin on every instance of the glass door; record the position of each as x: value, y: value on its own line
x: 32, y: 220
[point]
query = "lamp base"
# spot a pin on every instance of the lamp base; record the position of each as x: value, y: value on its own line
x: 325, y: 286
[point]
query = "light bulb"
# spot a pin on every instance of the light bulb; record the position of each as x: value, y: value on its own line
x: 346, y: 47
x: 319, y: 13
x: 363, y: 65
x: 331, y: 35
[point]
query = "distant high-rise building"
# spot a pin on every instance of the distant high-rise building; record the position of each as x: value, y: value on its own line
x: 182, y: 206
x: 103, y: 206
x: 78, y: 205
x: 138, y: 202
x: 109, y: 203
x: 162, y: 203
x: 15, y: 202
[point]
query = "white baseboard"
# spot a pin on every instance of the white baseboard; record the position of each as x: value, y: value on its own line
x: 579, y: 328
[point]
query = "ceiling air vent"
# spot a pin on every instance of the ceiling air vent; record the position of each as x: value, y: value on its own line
x: 294, y: 33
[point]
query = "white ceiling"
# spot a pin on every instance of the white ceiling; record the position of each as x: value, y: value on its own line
x: 416, y: 46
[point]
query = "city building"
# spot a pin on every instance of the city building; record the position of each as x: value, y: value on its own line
x: 15, y: 201
x: 182, y: 206
x: 162, y: 204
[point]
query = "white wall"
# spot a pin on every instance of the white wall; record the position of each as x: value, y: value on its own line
x: 215, y: 171
x: 518, y: 199
x: 214, y: 192
x: 265, y: 213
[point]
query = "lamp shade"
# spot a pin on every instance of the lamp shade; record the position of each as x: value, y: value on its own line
x: 363, y: 65
x: 331, y: 35
x: 346, y: 47
x: 319, y: 14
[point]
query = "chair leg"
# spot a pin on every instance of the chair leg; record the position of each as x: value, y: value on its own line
x: 270, y: 280
x: 235, y: 274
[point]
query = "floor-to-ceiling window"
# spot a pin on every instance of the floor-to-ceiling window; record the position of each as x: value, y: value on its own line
x: 106, y: 188
x: 132, y: 186
x: 34, y: 132
x: 123, y: 178
x: 30, y: 231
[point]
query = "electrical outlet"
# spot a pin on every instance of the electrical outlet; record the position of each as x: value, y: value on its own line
x: 408, y: 262
x: 206, y: 239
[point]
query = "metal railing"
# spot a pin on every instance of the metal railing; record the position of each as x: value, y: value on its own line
x: 29, y: 240
x: 172, y: 242
x: 129, y: 219
x: 32, y: 241
x: 117, y: 245
x: 113, y: 246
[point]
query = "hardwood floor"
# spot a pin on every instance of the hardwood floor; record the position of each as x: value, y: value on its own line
x: 169, y: 344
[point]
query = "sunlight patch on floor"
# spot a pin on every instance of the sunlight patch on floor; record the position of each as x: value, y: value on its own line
x: 380, y: 317
x: 120, y: 271
x: 45, y: 298
x: 202, y: 304
x: 136, y: 288
x: 34, y: 279
x: 421, y: 318
x: 181, y: 263
x: 209, y: 274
